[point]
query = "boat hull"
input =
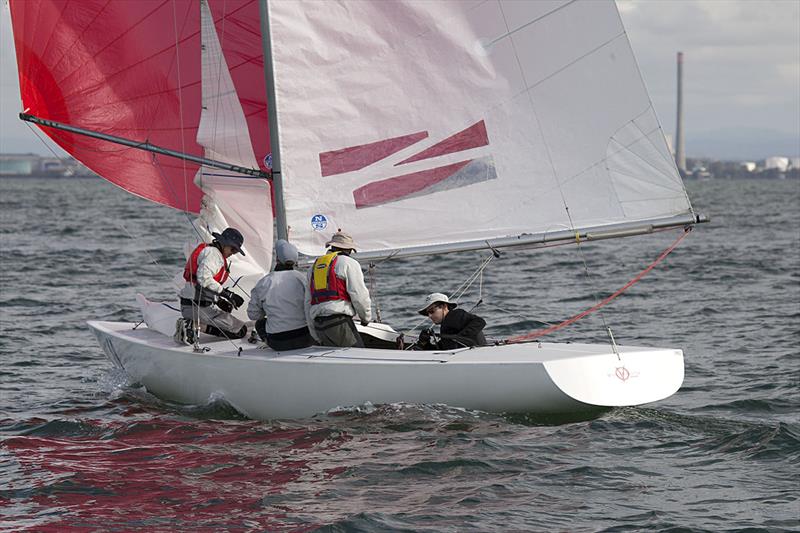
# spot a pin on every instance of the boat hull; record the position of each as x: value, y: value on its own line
x: 264, y: 384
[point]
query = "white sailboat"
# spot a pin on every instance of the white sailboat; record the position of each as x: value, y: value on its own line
x: 516, y: 124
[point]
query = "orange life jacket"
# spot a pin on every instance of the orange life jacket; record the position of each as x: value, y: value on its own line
x: 190, y: 270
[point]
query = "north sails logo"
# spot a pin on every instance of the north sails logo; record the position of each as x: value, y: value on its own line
x: 412, y: 184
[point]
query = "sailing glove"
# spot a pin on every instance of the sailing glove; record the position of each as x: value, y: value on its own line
x: 235, y: 300
x: 224, y: 304
x: 425, y: 337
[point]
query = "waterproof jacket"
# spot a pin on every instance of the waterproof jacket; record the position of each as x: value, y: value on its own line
x: 279, y: 296
x: 459, y: 329
x: 210, y: 265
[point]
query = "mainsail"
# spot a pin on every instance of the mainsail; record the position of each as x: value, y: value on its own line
x: 434, y: 125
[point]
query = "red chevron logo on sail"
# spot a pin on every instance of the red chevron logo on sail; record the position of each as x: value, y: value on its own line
x: 413, y: 184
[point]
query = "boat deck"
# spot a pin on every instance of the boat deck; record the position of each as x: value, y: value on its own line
x: 512, y: 353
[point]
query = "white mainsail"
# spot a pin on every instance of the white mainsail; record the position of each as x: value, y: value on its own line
x: 418, y: 123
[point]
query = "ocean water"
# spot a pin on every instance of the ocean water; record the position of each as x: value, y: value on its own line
x: 82, y: 449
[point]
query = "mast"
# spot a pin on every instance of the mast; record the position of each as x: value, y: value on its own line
x: 272, y: 116
x: 680, y: 158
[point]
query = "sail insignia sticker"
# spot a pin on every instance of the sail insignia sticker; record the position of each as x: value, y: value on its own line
x: 319, y: 222
x: 435, y: 178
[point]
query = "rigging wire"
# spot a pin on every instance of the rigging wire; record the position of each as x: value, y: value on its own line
x: 552, y: 164
x: 195, y: 305
x: 459, y: 292
x: 533, y: 335
x: 373, y: 291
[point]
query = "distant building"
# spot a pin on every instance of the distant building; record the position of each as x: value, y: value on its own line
x: 18, y: 164
x: 39, y: 166
x: 794, y: 162
x: 779, y: 163
x: 749, y: 166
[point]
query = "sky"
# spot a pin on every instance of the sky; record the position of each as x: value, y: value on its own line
x: 741, y: 75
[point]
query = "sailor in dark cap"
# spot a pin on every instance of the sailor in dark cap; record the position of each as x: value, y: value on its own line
x: 205, y: 305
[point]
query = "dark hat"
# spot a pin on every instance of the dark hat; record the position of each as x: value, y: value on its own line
x: 230, y: 237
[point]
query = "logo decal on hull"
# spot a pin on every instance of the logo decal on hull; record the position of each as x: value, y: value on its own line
x: 622, y: 373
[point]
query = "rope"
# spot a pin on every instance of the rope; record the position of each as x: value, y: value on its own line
x: 535, y: 334
x: 459, y: 292
x: 373, y: 291
x: 590, y: 279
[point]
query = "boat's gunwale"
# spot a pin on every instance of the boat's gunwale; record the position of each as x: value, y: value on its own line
x: 523, y: 353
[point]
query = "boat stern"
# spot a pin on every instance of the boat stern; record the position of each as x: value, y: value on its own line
x: 634, y: 377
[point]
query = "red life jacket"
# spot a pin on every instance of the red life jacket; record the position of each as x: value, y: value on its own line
x: 190, y: 270
x: 325, y: 286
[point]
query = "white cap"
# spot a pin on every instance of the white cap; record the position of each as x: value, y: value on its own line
x: 436, y: 297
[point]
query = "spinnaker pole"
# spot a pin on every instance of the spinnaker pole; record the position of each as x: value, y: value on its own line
x: 272, y: 116
x: 142, y: 145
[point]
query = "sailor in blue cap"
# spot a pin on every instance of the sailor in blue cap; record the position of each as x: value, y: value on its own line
x: 205, y: 305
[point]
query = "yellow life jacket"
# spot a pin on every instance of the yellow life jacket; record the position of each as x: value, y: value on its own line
x: 325, y: 286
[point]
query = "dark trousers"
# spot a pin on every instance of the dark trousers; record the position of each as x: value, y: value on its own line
x: 337, y: 330
x: 284, y: 340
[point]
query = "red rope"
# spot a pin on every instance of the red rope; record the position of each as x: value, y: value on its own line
x: 567, y: 322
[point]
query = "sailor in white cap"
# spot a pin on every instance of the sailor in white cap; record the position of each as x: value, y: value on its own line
x: 458, y: 327
x: 336, y: 294
x: 277, y: 303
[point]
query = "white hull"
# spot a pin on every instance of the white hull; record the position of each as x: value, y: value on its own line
x: 521, y: 378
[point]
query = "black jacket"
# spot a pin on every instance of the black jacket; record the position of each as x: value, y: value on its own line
x: 459, y: 329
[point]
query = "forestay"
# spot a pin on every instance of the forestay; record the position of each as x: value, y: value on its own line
x: 418, y: 123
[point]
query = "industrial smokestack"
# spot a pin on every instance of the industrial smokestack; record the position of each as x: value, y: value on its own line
x: 680, y: 155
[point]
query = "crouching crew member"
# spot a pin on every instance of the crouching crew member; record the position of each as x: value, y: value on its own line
x: 458, y: 327
x: 205, y: 305
x: 336, y: 294
x: 277, y: 303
